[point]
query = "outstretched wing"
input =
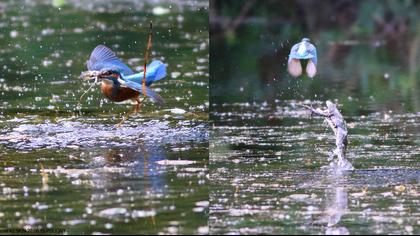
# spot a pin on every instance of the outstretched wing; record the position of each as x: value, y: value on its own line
x: 155, y: 71
x: 293, y: 52
x: 312, y: 52
x: 103, y: 58
x: 308, y: 53
x: 294, y: 67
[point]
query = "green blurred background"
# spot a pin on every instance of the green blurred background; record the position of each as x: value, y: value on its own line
x: 368, y: 52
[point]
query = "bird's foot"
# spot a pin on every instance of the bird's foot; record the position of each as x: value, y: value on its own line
x: 136, y: 108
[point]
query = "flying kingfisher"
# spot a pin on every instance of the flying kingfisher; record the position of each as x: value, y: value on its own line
x: 302, y: 51
x: 119, y: 82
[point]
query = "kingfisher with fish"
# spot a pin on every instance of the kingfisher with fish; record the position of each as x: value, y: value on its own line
x: 118, y: 81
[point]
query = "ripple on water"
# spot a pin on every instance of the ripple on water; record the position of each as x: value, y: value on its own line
x: 74, y: 134
x: 267, y: 174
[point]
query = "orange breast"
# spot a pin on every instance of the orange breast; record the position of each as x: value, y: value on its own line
x: 120, y: 95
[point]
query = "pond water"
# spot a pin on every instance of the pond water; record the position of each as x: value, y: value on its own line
x: 268, y: 172
x: 269, y: 158
x: 70, y: 169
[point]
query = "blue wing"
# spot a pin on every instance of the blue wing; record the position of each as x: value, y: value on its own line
x: 103, y: 58
x: 155, y: 71
x: 310, y: 53
x: 293, y: 53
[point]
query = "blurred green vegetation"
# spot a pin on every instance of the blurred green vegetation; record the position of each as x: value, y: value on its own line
x: 367, y: 52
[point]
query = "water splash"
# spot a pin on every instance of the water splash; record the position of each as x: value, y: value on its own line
x: 75, y: 134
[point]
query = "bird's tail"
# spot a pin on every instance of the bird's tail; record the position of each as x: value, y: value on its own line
x: 149, y: 92
x: 156, y: 97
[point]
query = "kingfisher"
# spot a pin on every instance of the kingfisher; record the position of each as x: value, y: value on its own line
x: 302, y: 51
x: 118, y: 81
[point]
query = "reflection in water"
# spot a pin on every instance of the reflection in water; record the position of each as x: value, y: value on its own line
x: 145, y: 166
x: 142, y: 162
x: 44, y: 178
x: 122, y: 188
x: 336, y: 202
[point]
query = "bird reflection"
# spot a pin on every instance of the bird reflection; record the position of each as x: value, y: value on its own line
x: 142, y: 161
x: 146, y: 166
x: 336, y: 202
x: 137, y: 167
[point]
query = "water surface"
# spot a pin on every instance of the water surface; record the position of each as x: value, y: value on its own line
x: 269, y: 172
x: 269, y: 158
x: 69, y: 168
